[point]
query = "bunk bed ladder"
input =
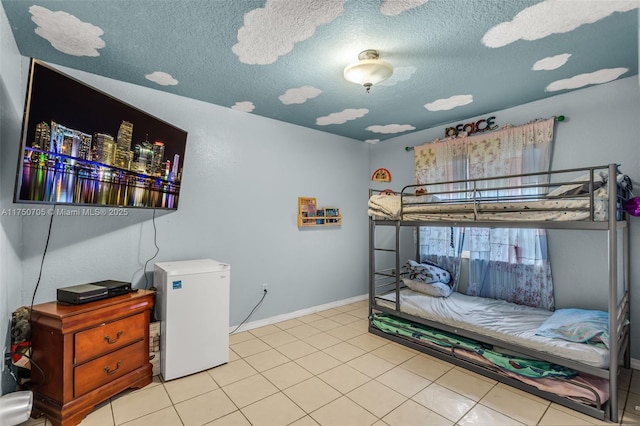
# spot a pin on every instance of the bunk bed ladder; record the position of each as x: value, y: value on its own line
x: 389, y: 273
x: 372, y: 259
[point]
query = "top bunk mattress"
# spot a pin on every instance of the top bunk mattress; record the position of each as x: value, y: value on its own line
x: 585, y: 198
x: 500, y: 320
x: 390, y: 207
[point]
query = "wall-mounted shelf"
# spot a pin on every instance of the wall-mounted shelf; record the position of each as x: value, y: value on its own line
x: 310, y: 215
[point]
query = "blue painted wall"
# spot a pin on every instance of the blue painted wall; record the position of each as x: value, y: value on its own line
x: 242, y: 177
x: 11, y: 105
x: 602, y: 127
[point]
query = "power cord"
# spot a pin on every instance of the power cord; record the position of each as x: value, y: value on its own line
x: 155, y: 243
x: 33, y: 298
x: 35, y: 364
x: 44, y: 253
x: 264, y: 294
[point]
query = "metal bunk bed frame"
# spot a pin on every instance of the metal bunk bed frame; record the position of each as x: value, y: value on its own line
x: 619, y: 310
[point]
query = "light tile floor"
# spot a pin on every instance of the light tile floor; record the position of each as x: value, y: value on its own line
x: 326, y: 369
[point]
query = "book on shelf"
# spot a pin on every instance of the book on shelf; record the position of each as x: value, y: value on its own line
x: 331, y: 214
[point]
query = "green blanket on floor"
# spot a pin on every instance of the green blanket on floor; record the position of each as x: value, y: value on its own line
x: 532, y: 368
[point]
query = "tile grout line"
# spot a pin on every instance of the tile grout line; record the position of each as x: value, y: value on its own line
x: 319, y: 378
x: 317, y: 350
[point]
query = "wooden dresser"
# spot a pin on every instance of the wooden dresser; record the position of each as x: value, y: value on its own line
x: 88, y: 354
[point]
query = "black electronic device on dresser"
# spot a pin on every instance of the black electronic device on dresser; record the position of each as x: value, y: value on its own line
x: 84, y: 293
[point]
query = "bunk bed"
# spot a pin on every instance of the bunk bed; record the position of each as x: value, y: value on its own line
x: 495, y: 338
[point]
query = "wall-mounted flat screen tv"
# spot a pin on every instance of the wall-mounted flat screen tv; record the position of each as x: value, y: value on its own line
x: 81, y: 146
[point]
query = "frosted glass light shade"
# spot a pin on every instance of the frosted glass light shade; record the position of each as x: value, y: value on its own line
x: 368, y: 72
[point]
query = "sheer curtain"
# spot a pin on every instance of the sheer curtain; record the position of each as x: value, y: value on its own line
x: 439, y: 162
x: 505, y: 263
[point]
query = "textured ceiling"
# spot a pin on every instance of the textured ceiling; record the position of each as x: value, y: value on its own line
x: 284, y: 59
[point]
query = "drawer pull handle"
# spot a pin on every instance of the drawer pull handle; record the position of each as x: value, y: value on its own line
x: 108, y: 339
x: 110, y: 371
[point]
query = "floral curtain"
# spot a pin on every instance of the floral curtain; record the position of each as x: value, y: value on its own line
x: 439, y: 162
x: 505, y: 263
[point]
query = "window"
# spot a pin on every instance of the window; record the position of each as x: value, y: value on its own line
x: 504, y: 263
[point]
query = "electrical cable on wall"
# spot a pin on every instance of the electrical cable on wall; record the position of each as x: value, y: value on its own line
x: 44, y: 253
x: 43, y: 375
x: 264, y: 294
x: 155, y: 243
x: 33, y: 297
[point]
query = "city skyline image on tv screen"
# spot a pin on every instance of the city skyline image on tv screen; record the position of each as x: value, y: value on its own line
x: 81, y: 146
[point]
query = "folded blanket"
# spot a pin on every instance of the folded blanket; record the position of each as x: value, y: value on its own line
x: 531, y: 368
x: 427, y: 272
x: 579, y: 388
x: 385, y: 206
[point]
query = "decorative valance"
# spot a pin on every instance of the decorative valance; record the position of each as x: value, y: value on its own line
x: 485, y: 148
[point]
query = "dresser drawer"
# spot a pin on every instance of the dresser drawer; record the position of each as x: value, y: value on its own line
x: 96, y: 373
x: 78, y: 368
x: 108, y: 337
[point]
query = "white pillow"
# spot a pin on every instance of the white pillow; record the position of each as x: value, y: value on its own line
x: 577, y: 325
x: 436, y: 289
x: 599, y: 179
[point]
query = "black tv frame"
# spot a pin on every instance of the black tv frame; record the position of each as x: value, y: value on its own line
x: 85, y: 153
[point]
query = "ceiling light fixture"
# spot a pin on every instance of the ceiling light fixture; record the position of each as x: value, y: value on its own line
x: 369, y: 70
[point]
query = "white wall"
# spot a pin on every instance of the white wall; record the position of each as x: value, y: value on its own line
x: 11, y: 104
x: 242, y: 176
x: 601, y: 127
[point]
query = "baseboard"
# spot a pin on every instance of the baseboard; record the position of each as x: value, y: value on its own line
x: 635, y: 364
x: 300, y: 313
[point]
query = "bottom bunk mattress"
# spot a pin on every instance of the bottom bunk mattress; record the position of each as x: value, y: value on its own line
x: 502, y: 321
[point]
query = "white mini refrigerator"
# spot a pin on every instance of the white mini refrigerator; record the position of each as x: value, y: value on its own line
x: 192, y: 305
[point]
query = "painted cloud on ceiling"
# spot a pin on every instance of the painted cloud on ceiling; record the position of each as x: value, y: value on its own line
x: 449, y: 103
x: 551, y: 62
x: 400, y: 74
x: 581, y: 80
x: 67, y: 33
x: 273, y: 31
x: 391, y: 128
x: 162, y: 78
x: 372, y: 141
x: 245, y: 106
x: 299, y: 95
x: 342, y: 116
x: 553, y: 17
x: 426, y: 66
x: 396, y: 7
